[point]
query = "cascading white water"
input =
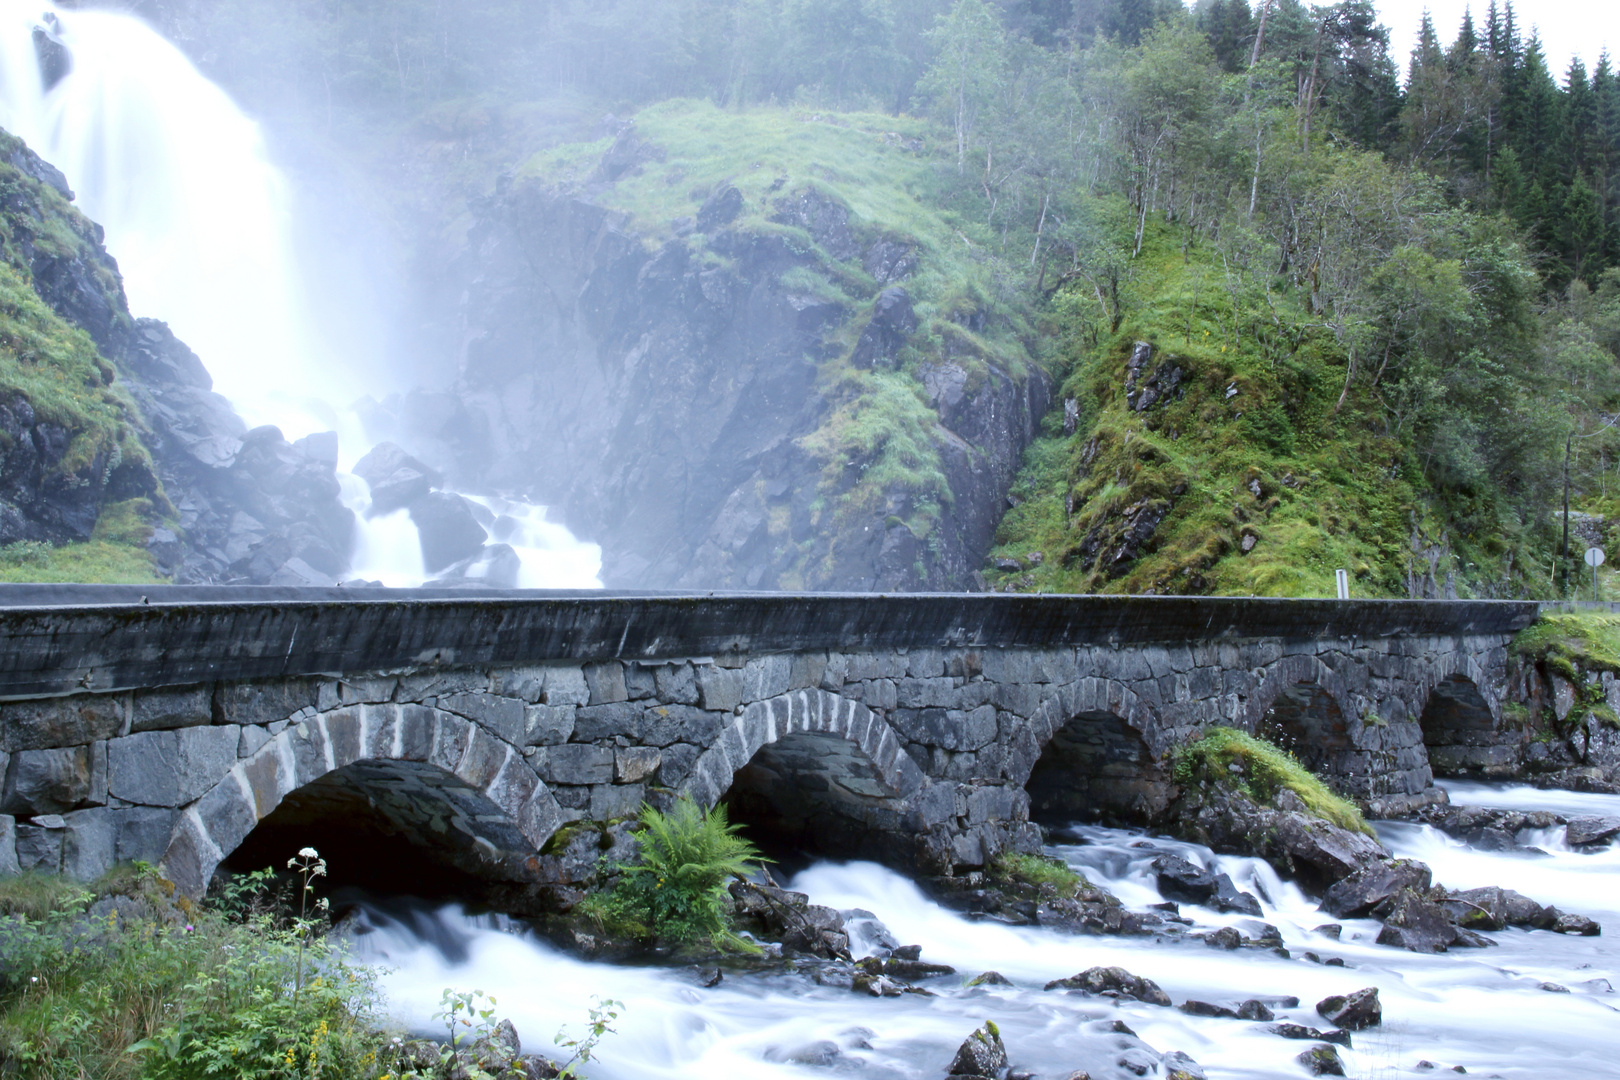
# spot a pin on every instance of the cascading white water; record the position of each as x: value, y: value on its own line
x: 200, y: 221
x: 1482, y: 1009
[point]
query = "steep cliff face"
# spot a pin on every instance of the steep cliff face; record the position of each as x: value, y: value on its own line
x: 767, y: 380
x: 98, y: 408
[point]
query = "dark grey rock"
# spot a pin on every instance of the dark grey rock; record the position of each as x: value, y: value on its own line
x: 170, y: 768
x: 1322, y: 1061
x: 1181, y: 880
x: 396, y: 479
x: 1582, y: 831
x: 1114, y: 982
x: 1356, y: 896
x: 448, y: 529
x: 156, y: 710
x: 1352, y: 1012
x: 1416, y: 923
x: 981, y: 1054
x: 47, y: 781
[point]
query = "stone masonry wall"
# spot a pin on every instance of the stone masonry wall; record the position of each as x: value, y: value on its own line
x: 945, y: 739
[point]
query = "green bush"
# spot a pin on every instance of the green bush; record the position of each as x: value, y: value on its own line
x: 1266, y: 770
x: 676, y: 891
x: 178, y: 992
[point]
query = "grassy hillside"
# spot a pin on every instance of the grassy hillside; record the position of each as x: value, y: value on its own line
x: 56, y: 368
x: 1246, y: 476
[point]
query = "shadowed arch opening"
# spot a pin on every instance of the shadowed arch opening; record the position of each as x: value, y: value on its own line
x: 1097, y: 769
x: 1461, y: 735
x: 811, y: 773
x: 402, y: 775
x: 1306, y: 721
x: 810, y: 794
x: 389, y: 826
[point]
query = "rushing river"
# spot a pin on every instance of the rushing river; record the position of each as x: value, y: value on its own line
x: 1483, y: 1009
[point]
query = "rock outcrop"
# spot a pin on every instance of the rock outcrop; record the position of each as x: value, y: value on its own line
x: 231, y: 505
x: 672, y: 399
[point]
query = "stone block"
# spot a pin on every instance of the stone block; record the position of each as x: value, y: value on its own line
x: 98, y: 775
x: 142, y: 832
x: 926, y: 693
x: 640, y: 683
x: 337, y: 693
x: 502, y: 717
x: 719, y: 689
x: 436, y: 683
x: 766, y: 677
x: 39, y: 844
x: 606, y: 683
x: 566, y: 686
x: 571, y: 797
x: 625, y: 718
x: 632, y: 764
x: 251, y: 740
x: 228, y: 814
x: 925, y: 663
x: 547, y: 725
x: 262, y: 703
x: 89, y: 843
x: 8, y: 845
x: 170, y: 768
x: 675, y: 764
x: 46, y: 781
x: 676, y: 684
x: 609, y: 801
x: 834, y: 675
x: 527, y: 684
x: 58, y: 722
x: 579, y: 763
x: 880, y: 694
x: 157, y: 710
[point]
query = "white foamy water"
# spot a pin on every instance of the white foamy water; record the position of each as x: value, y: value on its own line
x: 1482, y: 1009
x: 200, y: 220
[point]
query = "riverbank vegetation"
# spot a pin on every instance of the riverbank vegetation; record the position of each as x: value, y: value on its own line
x: 1224, y: 757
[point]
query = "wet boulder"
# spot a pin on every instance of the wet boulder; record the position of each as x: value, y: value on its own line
x: 1180, y: 1066
x: 1360, y: 894
x: 981, y: 1053
x: 1255, y: 1009
x: 1300, y: 1031
x: 1352, y: 1012
x: 790, y: 917
x: 448, y: 529
x: 396, y: 479
x: 1417, y: 924
x: 1184, y: 881
x: 1490, y: 908
x: 1322, y: 1060
x: 1565, y: 922
x: 1588, y: 831
x: 1113, y: 982
x: 1204, y: 1008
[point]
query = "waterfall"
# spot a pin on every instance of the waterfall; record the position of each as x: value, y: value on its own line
x: 200, y: 220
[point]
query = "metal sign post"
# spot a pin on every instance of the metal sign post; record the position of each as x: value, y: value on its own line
x: 1341, y: 578
x: 1594, y: 559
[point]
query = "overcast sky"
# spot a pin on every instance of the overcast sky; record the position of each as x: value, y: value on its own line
x: 1568, y: 27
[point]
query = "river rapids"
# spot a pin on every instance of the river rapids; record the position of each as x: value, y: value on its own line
x: 1502, y: 1011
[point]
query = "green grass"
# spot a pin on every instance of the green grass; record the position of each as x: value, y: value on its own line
x: 116, y: 553
x: 1266, y: 771
x: 1572, y: 644
x: 1036, y: 871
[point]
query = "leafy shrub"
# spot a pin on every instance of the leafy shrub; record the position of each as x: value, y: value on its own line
x: 169, y: 990
x: 1266, y: 770
x: 676, y: 892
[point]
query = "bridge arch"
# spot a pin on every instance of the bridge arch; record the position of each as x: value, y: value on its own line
x: 1461, y: 731
x: 1098, y: 767
x: 811, y: 771
x: 435, y: 774
x: 1304, y: 707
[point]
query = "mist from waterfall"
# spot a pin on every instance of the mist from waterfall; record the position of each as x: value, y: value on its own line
x: 201, y: 222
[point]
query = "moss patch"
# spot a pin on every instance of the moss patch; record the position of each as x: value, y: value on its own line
x: 1572, y: 644
x: 1266, y: 770
x: 1017, y: 868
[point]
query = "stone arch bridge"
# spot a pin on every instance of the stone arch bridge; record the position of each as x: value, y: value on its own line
x: 173, y: 724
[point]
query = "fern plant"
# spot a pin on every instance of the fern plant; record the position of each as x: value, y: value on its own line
x: 676, y: 891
